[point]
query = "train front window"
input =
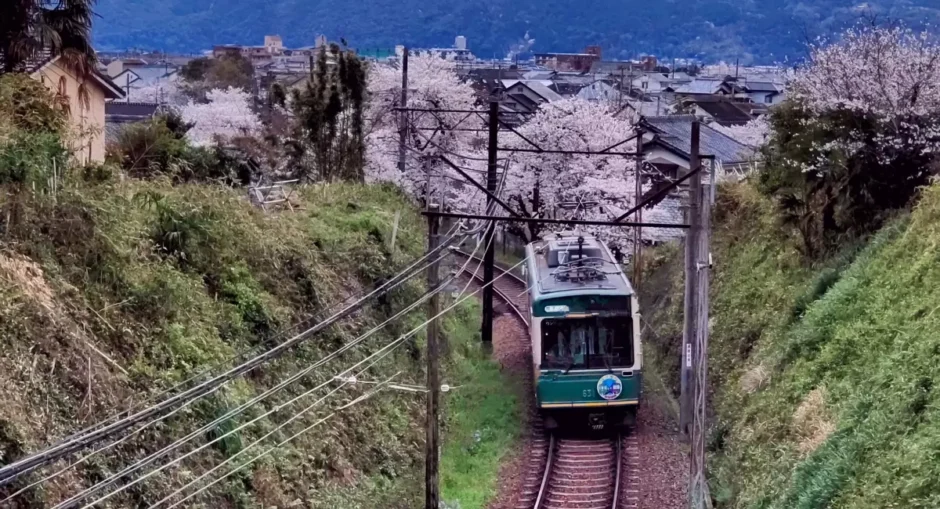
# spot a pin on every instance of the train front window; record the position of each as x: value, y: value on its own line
x: 587, y: 343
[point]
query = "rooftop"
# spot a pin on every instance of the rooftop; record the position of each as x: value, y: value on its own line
x: 675, y: 133
x: 557, y: 268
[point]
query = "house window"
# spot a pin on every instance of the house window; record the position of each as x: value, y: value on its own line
x: 768, y: 99
x: 62, y: 95
x: 645, y: 85
x: 84, y: 107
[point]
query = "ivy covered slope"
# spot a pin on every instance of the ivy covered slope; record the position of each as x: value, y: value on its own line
x: 824, y: 376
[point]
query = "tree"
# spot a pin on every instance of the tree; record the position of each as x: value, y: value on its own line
x: 859, y: 135
x: 433, y: 84
x: 196, y: 69
x: 572, y: 186
x: 329, y: 133
x: 753, y: 134
x: 204, y: 74
x: 226, y: 115
x: 30, y: 27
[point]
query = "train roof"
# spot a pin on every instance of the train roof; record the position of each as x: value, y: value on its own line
x: 557, y: 270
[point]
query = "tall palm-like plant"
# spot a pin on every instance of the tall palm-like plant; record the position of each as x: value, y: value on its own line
x: 28, y: 28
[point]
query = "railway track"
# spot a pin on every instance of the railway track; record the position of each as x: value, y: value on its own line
x: 562, y: 472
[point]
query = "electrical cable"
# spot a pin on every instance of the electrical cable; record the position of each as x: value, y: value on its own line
x: 389, y: 347
x: 13, y: 470
x: 275, y: 430
x: 88, y: 456
x: 208, y: 369
x: 276, y: 446
x: 237, y: 410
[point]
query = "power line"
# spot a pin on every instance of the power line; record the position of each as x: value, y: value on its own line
x: 231, y: 413
x: 279, y: 444
x: 10, y: 472
x: 390, y: 347
x: 279, y: 427
x: 88, y: 456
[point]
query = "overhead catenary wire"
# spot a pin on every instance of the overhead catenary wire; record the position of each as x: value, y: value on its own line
x: 292, y: 418
x: 100, y: 486
x: 13, y: 470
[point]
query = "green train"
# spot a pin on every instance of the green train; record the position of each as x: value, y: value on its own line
x: 584, y: 326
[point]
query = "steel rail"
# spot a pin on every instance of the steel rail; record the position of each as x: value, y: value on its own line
x: 548, y: 471
x: 617, y: 471
x: 501, y: 294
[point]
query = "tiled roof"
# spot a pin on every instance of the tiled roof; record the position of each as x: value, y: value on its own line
x: 675, y: 132
x: 761, y: 86
x: 725, y: 112
x: 124, y: 110
x: 542, y: 90
x: 700, y: 86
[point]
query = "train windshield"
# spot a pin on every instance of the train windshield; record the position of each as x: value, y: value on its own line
x: 587, y: 343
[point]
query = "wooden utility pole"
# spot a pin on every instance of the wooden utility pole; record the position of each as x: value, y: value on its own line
x: 486, y: 332
x: 698, y: 487
x: 691, y: 258
x: 638, y: 237
x: 432, y: 494
x: 403, y: 126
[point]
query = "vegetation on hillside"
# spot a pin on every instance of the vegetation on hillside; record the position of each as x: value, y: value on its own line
x: 121, y: 281
x: 823, y: 376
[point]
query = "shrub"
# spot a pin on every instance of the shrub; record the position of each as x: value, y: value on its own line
x: 30, y: 158
x: 28, y: 105
x: 858, y: 138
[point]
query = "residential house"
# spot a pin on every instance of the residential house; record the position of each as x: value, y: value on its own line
x: 600, y: 91
x: 668, y: 141
x: 652, y: 82
x: 82, y: 95
x: 119, y: 114
x: 536, y: 91
x: 764, y: 92
x: 715, y: 108
x: 139, y: 82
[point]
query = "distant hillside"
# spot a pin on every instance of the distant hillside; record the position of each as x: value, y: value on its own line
x: 754, y: 30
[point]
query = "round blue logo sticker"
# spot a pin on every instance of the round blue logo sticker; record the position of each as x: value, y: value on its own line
x: 609, y: 387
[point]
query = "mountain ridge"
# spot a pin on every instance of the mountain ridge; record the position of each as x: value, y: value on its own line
x: 756, y: 31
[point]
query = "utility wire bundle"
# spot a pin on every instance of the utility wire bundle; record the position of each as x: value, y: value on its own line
x: 175, y: 402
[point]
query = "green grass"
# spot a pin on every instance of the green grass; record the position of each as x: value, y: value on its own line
x: 825, y: 374
x: 483, y: 416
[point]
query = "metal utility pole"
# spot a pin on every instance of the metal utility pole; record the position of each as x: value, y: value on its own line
x: 686, y: 387
x: 432, y: 493
x: 403, y: 122
x: 488, y: 258
x: 698, y: 487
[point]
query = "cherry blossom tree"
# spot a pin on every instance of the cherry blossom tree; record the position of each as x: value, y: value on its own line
x: 753, y: 134
x: 858, y: 136
x: 572, y: 186
x: 890, y: 76
x: 226, y: 115
x: 432, y: 84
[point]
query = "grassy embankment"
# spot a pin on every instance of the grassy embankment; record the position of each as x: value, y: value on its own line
x: 113, y: 291
x: 823, y: 374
